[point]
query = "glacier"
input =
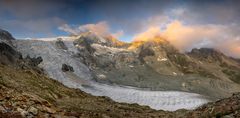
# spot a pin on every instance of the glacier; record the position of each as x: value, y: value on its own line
x: 81, y: 78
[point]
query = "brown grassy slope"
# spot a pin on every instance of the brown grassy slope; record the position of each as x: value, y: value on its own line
x: 27, y: 93
x: 23, y: 89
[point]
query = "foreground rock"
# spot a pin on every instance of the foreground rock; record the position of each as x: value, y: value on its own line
x: 227, y: 108
x: 66, y: 68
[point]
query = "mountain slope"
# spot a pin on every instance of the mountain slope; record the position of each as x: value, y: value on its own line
x: 26, y: 92
x: 33, y: 94
x: 157, y: 65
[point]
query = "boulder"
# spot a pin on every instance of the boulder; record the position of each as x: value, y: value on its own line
x: 66, y: 68
x: 33, y: 61
x: 33, y: 110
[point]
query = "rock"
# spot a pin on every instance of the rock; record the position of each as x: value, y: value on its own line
x: 22, y: 112
x: 33, y: 110
x: 105, y: 116
x: 145, y: 51
x: 207, y: 53
x: 66, y: 68
x: 5, y: 35
x: 60, y: 44
x: 2, y: 109
x: 86, y: 43
x: 8, y: 55
x: 49, y: 110
x: 33, y: 61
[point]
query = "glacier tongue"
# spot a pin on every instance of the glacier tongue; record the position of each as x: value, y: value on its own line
x: 53, y: 58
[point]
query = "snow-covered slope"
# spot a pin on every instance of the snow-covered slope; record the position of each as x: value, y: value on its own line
x: 53, y: 58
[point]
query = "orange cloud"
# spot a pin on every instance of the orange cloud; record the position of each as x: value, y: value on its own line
x: 186, y: 37
x: 101, y: 28
x: 150, y: 34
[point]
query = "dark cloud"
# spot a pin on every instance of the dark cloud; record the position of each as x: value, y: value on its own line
x: 211, y: 11
x: 33, y: 28
x: 33, y: 18
x: 33, y: 9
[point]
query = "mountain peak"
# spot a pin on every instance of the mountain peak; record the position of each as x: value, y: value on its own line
x: 157, y: 40
x: 206, y: 53
x: 106, y: 40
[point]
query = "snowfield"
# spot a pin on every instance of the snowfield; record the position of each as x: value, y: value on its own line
x: 53, y: 58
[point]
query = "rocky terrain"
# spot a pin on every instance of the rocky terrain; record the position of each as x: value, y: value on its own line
x: 27, y: 91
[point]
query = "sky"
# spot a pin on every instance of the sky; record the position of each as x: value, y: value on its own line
x: 186, y: 24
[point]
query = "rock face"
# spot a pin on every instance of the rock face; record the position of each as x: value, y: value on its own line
x: 207, y: 53
x: 66, y: 68
x: 5, y: 36
x: 60, y: 44
x: 8, y: 54
x: 91, y: 38
x: 212, y: 59
x: 11, y: 57
x: 144, y: 52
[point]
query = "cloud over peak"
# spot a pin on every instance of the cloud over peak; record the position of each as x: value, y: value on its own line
x: 101, y: 28
x: 185, y: 37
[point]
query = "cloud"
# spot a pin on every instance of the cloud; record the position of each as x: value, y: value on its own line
x: 30, y: 28
x: 101, y: 28
x: 118, y: 34
x: 31, y: 9
x: 31, y: 18
x: 185, y: 37
x: 68, y: 29
x: 208, y: 12
x: 150, y: 34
